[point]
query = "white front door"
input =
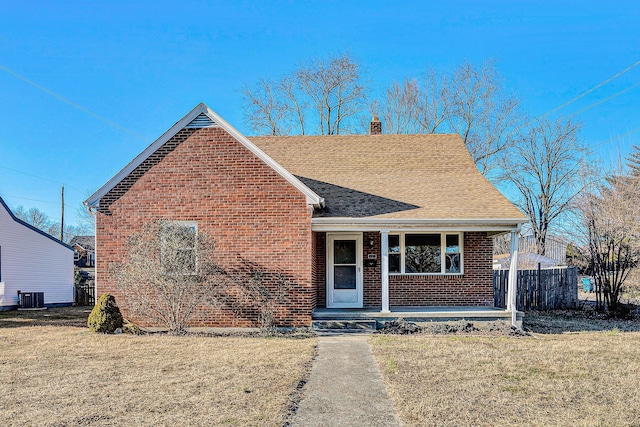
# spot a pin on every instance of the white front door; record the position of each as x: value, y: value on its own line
x: 344, y: 270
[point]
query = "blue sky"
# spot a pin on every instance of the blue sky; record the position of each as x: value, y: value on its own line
x: 142, y: 65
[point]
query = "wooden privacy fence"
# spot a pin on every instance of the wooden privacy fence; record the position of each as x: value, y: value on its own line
x: 85, y: 293
x: 541, y: 289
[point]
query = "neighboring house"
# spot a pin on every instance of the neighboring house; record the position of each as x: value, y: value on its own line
x: 526, y: 261
x: 555, y: 247
x: 32, y: 261
x: 85, y: 251
x: 555, y: 253
x: 377, y: 222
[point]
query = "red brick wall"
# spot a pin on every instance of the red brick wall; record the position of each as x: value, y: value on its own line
x: 253, y: 214
x: 372, y: 290
x: 320, y: 271
x: 473, y: 288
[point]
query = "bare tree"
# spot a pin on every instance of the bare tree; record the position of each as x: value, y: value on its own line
x: 41, y: 221
x: 401, y: 111
x: 609, y: 213
x: 34, y: 217
x: 334, y: 89
x: 325, y: 91
x: 434, y: 109
x: 469, y: 101
x: 296, y: 103
x: 167, y: 273
x: 543, y: 167
x: 266, y: 111
x: 69, y: 231
x: 85, y: 221
x: 482, y: 113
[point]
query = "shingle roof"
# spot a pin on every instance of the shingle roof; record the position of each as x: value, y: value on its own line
x: 390, y: 176
x: 87, y: 242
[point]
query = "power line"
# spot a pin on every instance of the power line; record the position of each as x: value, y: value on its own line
x: 110, y: 123
x: 43, y: 178
x: 593, y: 88
x: 35, y: 200
x: 595, y: 104
x: 615, y: 138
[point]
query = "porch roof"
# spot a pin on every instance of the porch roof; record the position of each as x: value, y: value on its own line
x: 381, y: 178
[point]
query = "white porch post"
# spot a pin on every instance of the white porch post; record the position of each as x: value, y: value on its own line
x: 384, y: 269
x: 513, y: 278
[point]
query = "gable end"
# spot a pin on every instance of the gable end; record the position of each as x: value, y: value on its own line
x: 200, y: 117
x: 31, y: 227
x: 131, y: 178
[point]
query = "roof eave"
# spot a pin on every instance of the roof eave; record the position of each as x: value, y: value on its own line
x: 460, y: 224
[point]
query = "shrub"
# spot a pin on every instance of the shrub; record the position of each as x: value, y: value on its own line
x: 105, y: 316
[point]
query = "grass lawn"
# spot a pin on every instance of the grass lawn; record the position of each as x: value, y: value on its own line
x: 56, y: 374
x: 589, y: 378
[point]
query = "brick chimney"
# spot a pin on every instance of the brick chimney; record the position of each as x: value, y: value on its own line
x: 376, y: 126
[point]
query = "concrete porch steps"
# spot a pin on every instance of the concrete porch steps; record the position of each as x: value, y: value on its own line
x: 351, y: 316
x: 361, y: 325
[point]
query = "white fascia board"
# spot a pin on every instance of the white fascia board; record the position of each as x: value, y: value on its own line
x: 410, y: 224
x: 312, y: 197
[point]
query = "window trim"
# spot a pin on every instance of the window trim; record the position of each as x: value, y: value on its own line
x: 443, y: 248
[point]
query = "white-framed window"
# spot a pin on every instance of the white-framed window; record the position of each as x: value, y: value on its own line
x: 425, y: 253
x: 179, y: 247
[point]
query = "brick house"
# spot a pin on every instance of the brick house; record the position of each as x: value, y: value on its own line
x: 357, y: 223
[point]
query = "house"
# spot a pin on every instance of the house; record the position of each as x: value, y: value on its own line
x: 526, y: 261
x: 378, y: 223
x: 555, y: 252
x: 85, y: 252
x: 32, y: 261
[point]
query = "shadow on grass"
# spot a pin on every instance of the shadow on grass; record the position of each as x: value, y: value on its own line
x: 560, y: 321
x: 59, y: 316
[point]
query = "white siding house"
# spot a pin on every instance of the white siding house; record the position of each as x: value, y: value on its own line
x: 32, y: 261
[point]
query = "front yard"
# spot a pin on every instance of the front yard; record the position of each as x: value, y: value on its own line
x: 573, y: 371
x: 554, y: 377
x: 61, y: 375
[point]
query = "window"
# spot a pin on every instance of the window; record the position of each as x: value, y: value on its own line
x: 179, y: 241
x: 452, y: 254
x: 425, y: 253
x: 394, y: 253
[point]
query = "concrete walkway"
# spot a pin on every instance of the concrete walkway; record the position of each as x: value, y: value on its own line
x: 345, y: 387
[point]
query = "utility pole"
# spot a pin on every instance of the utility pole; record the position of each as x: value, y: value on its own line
x: 62, y: 216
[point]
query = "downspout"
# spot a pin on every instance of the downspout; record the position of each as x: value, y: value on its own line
x: 95, y: 254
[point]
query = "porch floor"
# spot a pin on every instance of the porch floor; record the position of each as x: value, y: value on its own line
x: 416, y: 314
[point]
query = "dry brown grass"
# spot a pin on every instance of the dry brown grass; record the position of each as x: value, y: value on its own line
x: 571, y: 379
x: 67, y: 376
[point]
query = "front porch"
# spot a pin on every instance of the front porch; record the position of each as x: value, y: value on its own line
x: 414, y: 314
